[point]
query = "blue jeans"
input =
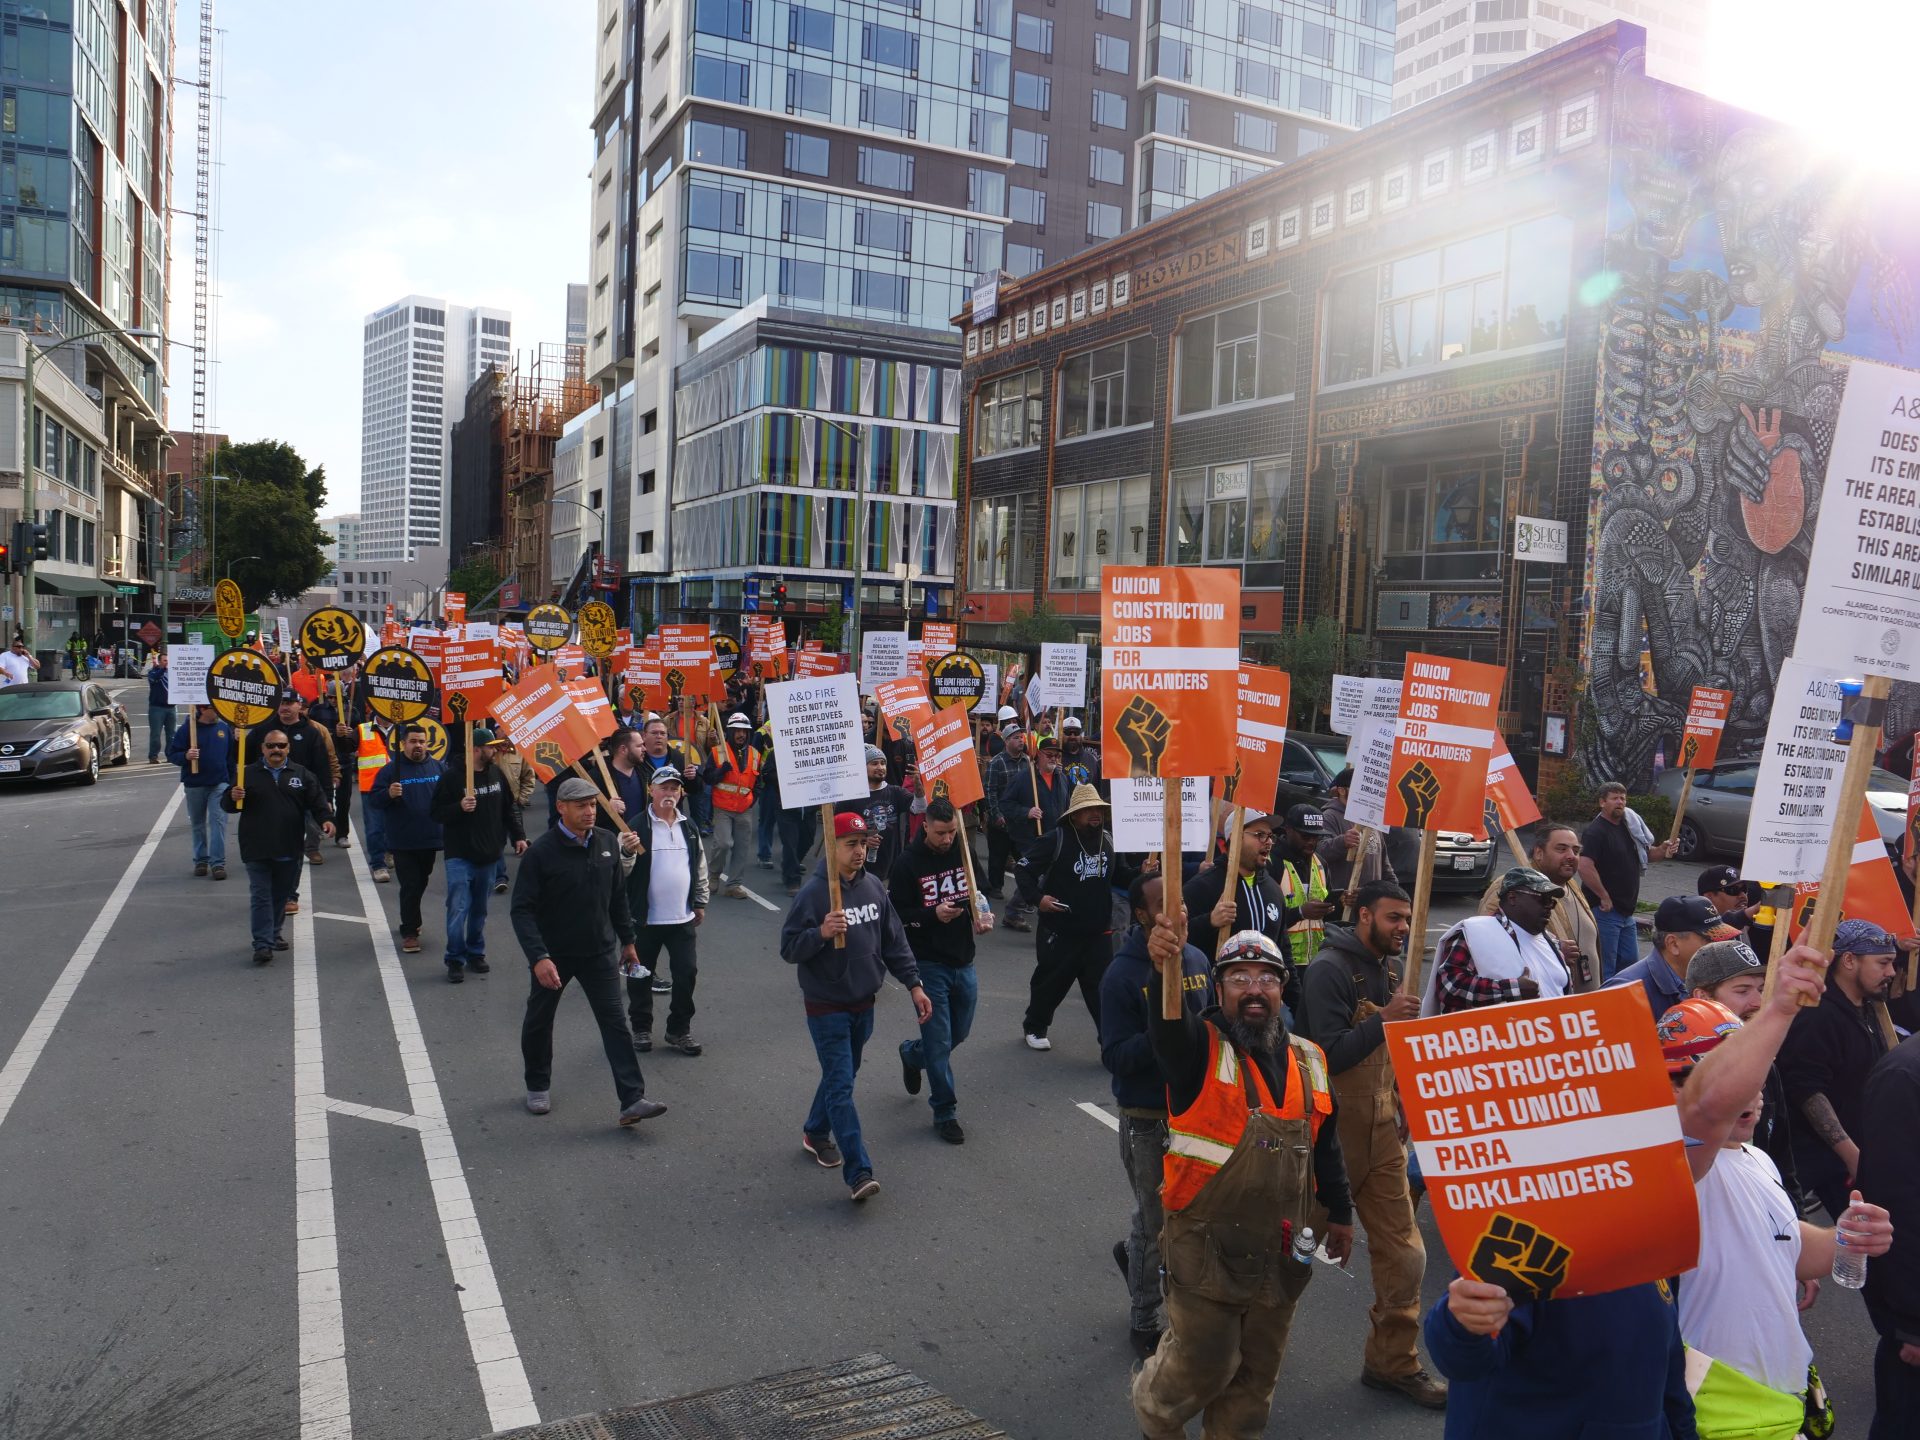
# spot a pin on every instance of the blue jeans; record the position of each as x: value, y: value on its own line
x: 500, y: 870
x: 159, y: 730
x: 955, y: 993
x: 209, y: 824
x: 270, y: 885
x: 373, y: 832
x: 838, y: 1039
x: 1619, y: 941
x: 469, y: 887
x: 703, y: 809
x: 766, y: 819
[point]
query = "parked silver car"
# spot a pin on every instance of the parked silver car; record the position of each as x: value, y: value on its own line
x: 1716, y: 819
x: 61, y: 729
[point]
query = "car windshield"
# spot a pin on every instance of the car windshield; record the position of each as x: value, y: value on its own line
x: 1886, y: 783
x: 39, y: 705
x: 1334, y: 757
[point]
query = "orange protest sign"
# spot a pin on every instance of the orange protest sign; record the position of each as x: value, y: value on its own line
x: 1262, y: 735
x: 541, y: 718
x: 1506, y: 791
x: 766, y: 648
x: 944, y: 754
x: 645, y: 690
x: 812, y: 664
x: 591, y: 704
x: 1170, y: 657
x: 430, y: 646
x: 470, y: 676
x: 904, y: 705
x: 1707, y: 712
x: 937, y: 638
x: 1872, y: 891
x: 686, y: 661
x: 453, y: 609
x: 392, y: 632
x: 1444, y: 738
x: 569, y: 658
x: 1538, y: 1126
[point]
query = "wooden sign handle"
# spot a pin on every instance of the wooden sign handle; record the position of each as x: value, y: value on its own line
x: 1359, y: 859
x: 966, y: 858
x: 1172, y: 973
x: 1680, y: 810
x: 1520, y: 856
x: 1233, y: 869
x: 193, y: 733
x: 606, y: 802
x: 833, y: 866
x: 1410, y: 983
x: 469, y: 747
x: 1846, y: 824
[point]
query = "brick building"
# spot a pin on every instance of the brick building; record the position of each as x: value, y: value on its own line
x: 1562, y: 293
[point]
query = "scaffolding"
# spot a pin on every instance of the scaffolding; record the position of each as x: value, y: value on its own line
x: 548, y: 388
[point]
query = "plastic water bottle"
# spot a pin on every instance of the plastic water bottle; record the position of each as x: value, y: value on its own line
x: 1304, y: 1245
x: 1849, y: 1265
x: 982, y: 911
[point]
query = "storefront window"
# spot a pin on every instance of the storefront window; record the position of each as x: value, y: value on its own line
x: 1450, y: 506
x: 1237, y: 356
x: 1231, y: 515
x: 1001, y: 544
x: 1094, y: 526
x: 1008, y: 414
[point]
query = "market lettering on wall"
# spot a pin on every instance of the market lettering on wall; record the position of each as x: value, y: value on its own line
x: 1187, y: 264
x: 1422, y: 402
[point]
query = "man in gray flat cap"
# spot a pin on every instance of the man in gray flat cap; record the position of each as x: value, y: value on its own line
x: 570, y: 915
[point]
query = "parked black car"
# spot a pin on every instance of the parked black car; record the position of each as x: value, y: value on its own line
x: 61, y: 729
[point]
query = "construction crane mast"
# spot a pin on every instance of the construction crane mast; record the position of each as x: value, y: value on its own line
x: 196, y: 502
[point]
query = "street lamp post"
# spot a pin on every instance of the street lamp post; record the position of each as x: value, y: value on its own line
x: 604, y: 515
x: 859, y: 536
x: 28, y: 509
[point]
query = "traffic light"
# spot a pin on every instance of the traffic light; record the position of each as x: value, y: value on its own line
x: 779, y: 595
x: 39, y: 538
x: 6, y: 558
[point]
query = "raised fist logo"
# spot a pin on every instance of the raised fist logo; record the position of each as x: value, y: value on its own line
x: 1144, y: 729
x: 902, y: 728
x: 546, y: 754
x: 1420, y: 788
x: 1689, y: 747
x: 636, y: 696
x: 676, y: 682
x: 940, y: 790
x: 1232, y: 796
x: 457, y: 706
x: 756, y: 669
x: 1518, y: 1257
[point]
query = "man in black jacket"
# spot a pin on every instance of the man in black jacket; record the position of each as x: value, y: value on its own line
x: 1890, y: 1172
x: 475, y: 828
x: 403, y: 793
x: 309, y: 746
x: 941, y: 915
x: 343, y: 734
x: 1034, y: 803
x: 1141, y: 1093
x: 1255, y: 902
x: 1069, y: 876
x: 286, y: 797
x: 570, y: 916
x: 667, y: 894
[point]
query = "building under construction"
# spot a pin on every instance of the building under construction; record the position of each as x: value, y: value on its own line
x: 548, y: 388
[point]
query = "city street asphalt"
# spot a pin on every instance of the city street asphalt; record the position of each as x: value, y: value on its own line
x: 307, y: 1200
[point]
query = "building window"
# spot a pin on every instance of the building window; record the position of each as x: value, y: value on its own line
x: 649, y: 422
x: 1023, y: 260
x: 808, y: 93
x: 886, y: 45
x: 1032, y: 33
x: 1109, y: 110
x: 1238, y: 356
x: 883, y: 230
x: 1450, y: 506
x: 1107, y: 389
x: 1502, y: 290
x: 1231, y: 515
x: 1106, y: 166
x: 1254, y: 132
x: 1007, y: 415
x: 598, y: 448
x: 886, y: 169
x: 1110, y: 52
x: 1030, y: 148
x: 888, y: 108
x: 803, y: 280
x: 718, y: 79
x: 986, y: 192
x: 810, y: 29
x: 711, y: 144
x: 1094, y: 526
x: 806, y: 154
x: 711, y: 207
x: 803, y: 217
x: 1002, y: 544
x: 880, y: 290
x: 644, y: 544
x: 1027, y: 205
x: 1172, y: 59
x: 732, y: 19
x: 1170, y: 115
x: 647, y: 482
x: 1119, y: 9
x: 1103, y: 221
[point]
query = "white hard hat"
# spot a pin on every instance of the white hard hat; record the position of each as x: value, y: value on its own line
x: 738, y: 720
x: 1007, y: 712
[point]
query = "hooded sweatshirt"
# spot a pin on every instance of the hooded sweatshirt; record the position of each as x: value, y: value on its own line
x: 1084, y: 876
x: 1340, y: 974
x: 920, y: 883
x: 1126, y: 1049
x: 410, y: 822
x: 836, y: 980
x: 480, y: 835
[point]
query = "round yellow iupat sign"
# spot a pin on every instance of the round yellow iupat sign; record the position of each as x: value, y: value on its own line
x: 230, y: 609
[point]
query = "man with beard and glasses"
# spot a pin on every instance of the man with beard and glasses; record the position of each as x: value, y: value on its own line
x: 1505, y: 956
x: 1249, y: 1154
x: 1827, y: 1055
x: 1253, y: 902
x: 1554, y: 851
x: 1351, y: 991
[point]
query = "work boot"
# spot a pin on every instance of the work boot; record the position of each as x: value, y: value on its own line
x: 641, y: 1109
x: 539, y: 1102
x: 219, y: 872
x: 685, y: 1044
x: 499, y: 887
x: 735, y: 891
x: 200, y: 867
x: 263, y: 957
x: 1144, y: 1342
x: 643, y: 1041
x: 1417, y: 1385
x: 909, y: 1073
x: 950, y: 1131
x: 314, y: 857
x: 478, y: 965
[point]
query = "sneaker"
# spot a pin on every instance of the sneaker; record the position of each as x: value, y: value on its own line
x: 499, y: 887
x: 865, y: 1187
x: 909, y: 1073
x: 735, y: 891
x: 685, y: 1044
x: 793, y: 889
x: 662, y: 985
x: 410, y: 944
x: 822, y: 1149
x: 381, y: 874
x: 1015, y: 922
x: 200, y: 867
x: 314, y: 857
x: 456, y: 974
x: 219, y: 872
x: 389, y: 859
x: 478, y: 965
x: 643, y: 1042
x: 1418, y: 1386
x: 1120, y: 1259
x: 1144, y: 1342
x: 341, y: 842
x: 263, y: 957
x: 293, y: 908
x: 641, y: 1109
x: 1039, y: 1042
x: 539, y: 1102
x: 950, y: 1131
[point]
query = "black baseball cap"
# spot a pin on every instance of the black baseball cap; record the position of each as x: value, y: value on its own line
x: 1688, y: 915
x: 1307, y: 819
x: 1724, y: 878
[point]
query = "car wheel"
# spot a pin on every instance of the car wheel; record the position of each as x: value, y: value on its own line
x: 91, y: 775
x: 123, y: 754
x: 1693, y: 845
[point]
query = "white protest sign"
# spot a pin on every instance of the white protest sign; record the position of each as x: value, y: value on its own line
x: 1790, y: 821
x: 187, y: 673
x: 1063, y: 675
x: 989, y: 703
x: 1139, y: 815
x: 883, y: 656
x: 817, y: 741
x: 1371, y: 752
x: 1356, y: 698
x: 480, y: 630
x: 284, y: 633
x: 1861, y: 605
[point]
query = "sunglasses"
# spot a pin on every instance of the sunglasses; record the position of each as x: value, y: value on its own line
x: 274, y: 747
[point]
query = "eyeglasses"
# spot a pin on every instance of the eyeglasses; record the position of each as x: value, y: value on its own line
x: 1251, y: 982
x: 271, y: 746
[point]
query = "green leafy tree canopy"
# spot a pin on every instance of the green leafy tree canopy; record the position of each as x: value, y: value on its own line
x: 267, y: 536
x: 1312, y: 655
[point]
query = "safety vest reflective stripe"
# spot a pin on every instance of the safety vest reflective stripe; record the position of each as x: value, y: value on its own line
x: 1303, y: 936
x: 1209, y: 1152
x: 373, y: 754
x: 1201, y: 1137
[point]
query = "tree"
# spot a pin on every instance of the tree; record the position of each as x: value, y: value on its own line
x: 1040, y: 625
x: 831, y: 628
x: 476, y: 579
x: 266, y: 535
x: 1312, y: 655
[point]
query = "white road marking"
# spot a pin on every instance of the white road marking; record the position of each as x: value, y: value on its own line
x: 496, y: 1355
x: 374, y: 1113
x: 761, y: 900
x: 326, y: 1410
x: 1112, y: 1122
x: 26, y: 1054
x: 350, y: 919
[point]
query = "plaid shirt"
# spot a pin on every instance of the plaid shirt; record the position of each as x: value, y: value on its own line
x: 1463, y: 988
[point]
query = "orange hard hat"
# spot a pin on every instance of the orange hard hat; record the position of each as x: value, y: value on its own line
x: 1692, y: 1028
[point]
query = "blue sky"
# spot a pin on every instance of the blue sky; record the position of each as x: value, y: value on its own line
x: 371, y: 150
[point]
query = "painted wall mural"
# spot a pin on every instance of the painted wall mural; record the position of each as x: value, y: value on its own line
x: 1742, y: 274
